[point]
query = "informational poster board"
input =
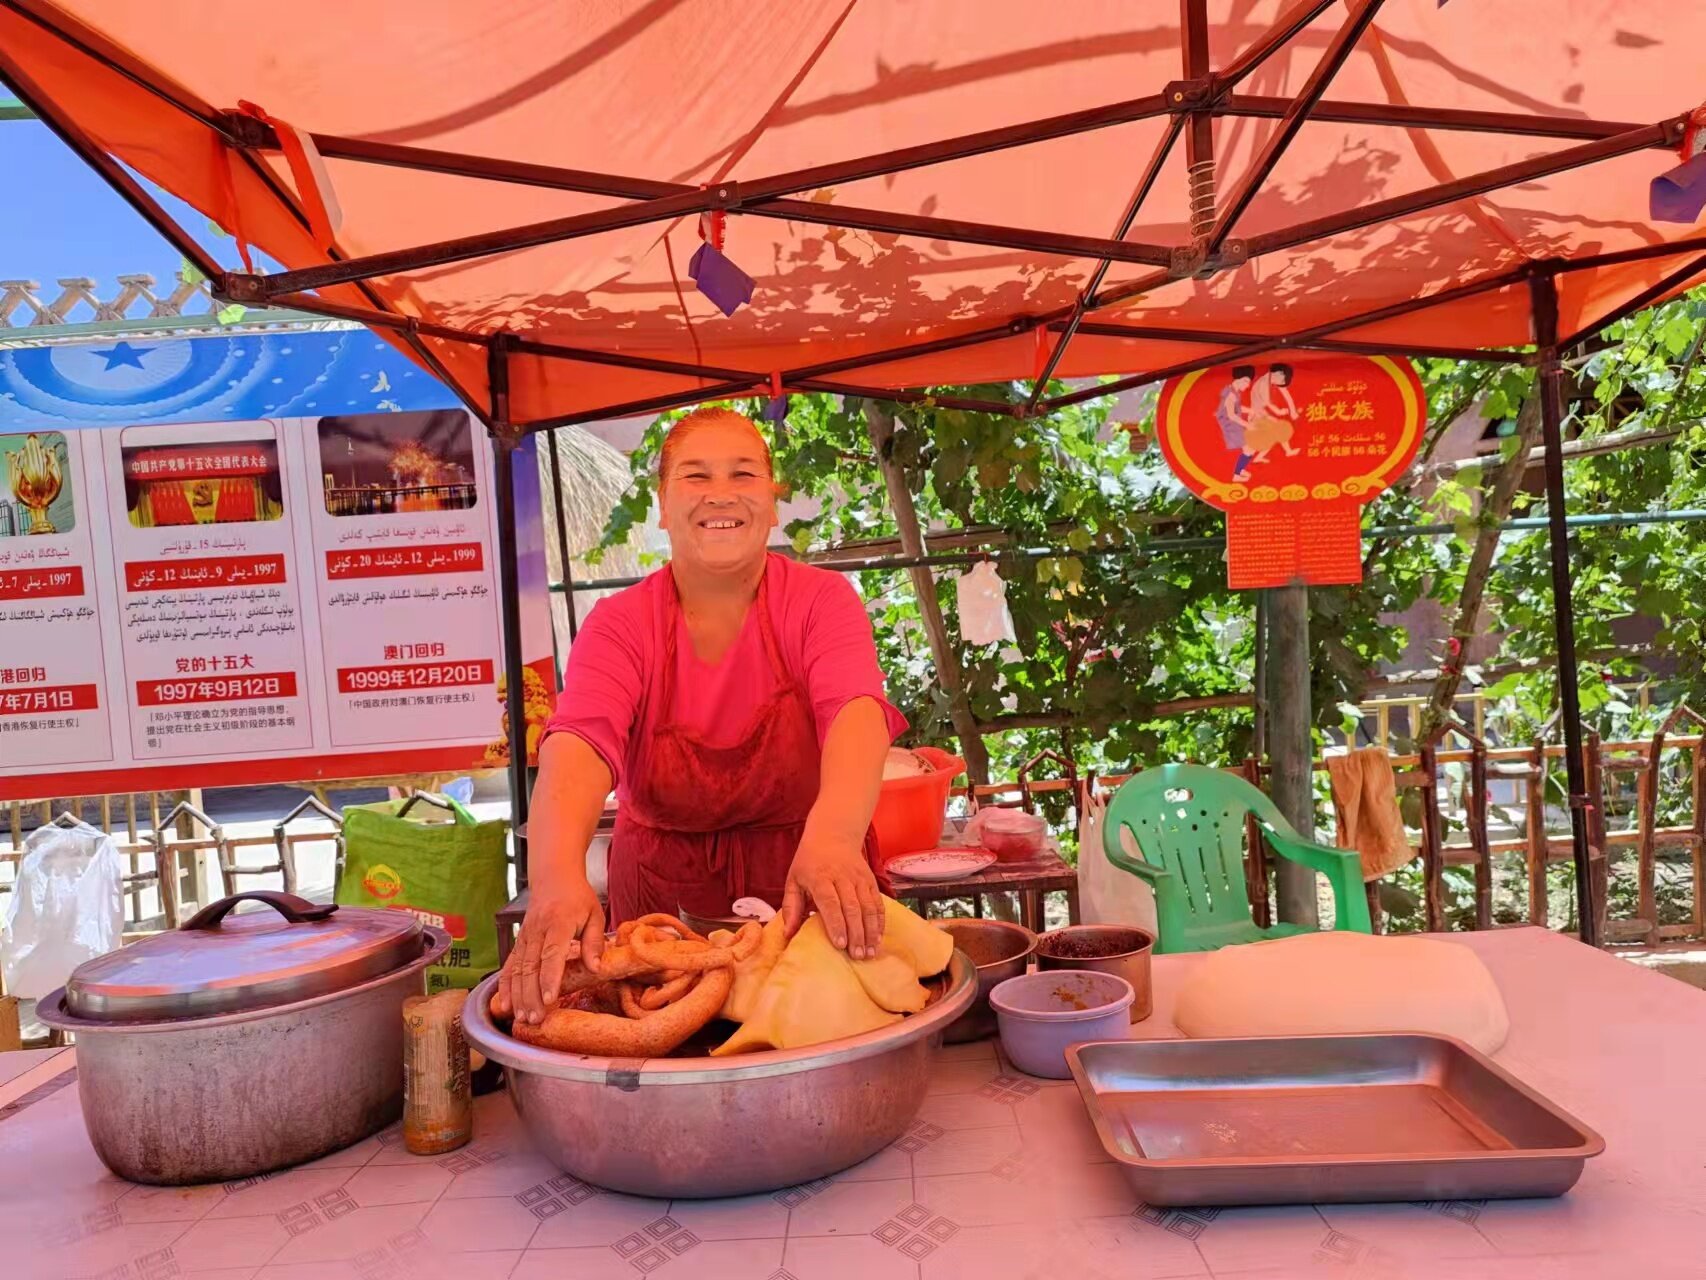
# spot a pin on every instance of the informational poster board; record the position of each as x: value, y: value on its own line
x: 1292, y: 450
x: 260, y: 599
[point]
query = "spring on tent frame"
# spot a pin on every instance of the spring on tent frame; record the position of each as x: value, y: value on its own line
x: 1202, y: 197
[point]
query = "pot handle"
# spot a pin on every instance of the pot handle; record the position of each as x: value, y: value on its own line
x: 292, y: 908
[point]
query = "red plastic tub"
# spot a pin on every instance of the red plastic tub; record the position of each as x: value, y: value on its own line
x: 910, y: 810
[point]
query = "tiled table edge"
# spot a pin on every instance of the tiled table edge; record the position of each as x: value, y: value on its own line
x: 41, y: 1081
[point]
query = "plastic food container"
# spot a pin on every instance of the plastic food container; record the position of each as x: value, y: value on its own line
x: 910, y: 811
x: 1042, y: 1013
x: 1012, y: 835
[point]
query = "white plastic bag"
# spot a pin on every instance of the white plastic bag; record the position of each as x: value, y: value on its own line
x: 1108, y: 894
x: 982, y: 598
x: 66, y: 906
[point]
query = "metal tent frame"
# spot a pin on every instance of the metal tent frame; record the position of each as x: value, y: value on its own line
x: 1191, y: 104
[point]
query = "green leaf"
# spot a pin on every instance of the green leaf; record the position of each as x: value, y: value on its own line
x: 231, y: 314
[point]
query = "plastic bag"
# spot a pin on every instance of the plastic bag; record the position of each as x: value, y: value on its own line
x: 1106, y: 893
x: 982, y: 599
x: 67, y: 906
x: 448, y: 870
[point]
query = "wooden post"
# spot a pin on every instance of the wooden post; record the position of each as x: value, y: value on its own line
x: 1537, y: 848
x: 1256, y: 862
x: 1646, y: 840
x: 1477, y: 816
x: 1433, y: 844
x: 1594, y: 767
x: 879, y: 422
x: 1697, y: 849
x: 1290, y: 744
x: 11, y: 1031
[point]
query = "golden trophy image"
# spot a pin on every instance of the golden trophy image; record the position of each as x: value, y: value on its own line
x: 36, y: 478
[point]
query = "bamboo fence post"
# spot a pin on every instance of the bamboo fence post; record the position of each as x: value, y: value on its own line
x: 1538, y: 852
x: 1593, y: 751
x: 1477, y: 822
x: 1647, y: 817
x: 1433, y: 880
x: 1697, y: 841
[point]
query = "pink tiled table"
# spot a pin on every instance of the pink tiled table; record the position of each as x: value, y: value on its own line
x: 1001, y: 1177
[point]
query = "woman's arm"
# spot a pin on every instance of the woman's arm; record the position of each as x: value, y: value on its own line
x: 830, y: 870
x: 563, y: 917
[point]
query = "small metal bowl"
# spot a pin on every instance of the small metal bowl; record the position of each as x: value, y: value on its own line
x: 1119, y: 949
x: 999, y: 951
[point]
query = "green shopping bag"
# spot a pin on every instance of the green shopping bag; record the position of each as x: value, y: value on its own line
x: 452, y: 875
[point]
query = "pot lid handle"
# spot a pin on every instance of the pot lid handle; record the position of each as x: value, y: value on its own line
x: 292, y: 908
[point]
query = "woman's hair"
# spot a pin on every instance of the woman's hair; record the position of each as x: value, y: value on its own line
x: 708, y: 415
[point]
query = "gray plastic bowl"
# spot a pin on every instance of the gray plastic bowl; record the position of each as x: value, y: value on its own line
x: 1041, y: 1013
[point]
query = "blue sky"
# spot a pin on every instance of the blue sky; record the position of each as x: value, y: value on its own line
x: 58, y: 218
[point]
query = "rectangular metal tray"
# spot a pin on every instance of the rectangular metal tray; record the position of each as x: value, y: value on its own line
x: 1324, y: 1119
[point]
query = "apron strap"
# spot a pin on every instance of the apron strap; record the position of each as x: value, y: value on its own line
x: 672, y: 624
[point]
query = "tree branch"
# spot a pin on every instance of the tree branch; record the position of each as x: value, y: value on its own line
x: 1497, y: 499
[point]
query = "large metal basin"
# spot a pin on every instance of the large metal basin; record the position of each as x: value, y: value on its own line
x: 684, y: 1128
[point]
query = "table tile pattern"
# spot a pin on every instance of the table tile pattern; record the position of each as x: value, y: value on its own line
x: 1000, y: 1176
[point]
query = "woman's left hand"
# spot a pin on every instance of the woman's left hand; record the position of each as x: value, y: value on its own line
x: 839, y: 882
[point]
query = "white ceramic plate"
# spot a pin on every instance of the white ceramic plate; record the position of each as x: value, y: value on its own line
x: 941, y: 864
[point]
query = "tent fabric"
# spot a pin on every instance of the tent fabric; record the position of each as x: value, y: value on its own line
x: 696, y: 93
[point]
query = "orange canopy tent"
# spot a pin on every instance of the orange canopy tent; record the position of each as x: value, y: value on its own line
x: 924, y: 191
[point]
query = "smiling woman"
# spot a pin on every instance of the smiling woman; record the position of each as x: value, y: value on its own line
x: 734, y: 702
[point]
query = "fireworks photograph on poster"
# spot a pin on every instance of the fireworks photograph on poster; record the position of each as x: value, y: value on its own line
x: 386, y: 463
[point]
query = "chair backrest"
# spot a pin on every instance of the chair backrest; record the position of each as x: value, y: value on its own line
x: 1188, y: 820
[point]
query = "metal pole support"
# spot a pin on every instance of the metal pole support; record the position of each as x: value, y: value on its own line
x: 1543, y: 292
x: 509, y: 592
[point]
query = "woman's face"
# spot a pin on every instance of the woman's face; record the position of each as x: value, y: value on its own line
x: 718, y: 500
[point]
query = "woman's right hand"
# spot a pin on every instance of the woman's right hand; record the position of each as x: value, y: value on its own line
x: 560, y: 927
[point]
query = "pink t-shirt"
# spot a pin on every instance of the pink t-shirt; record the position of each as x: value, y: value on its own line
x: 610, y: 688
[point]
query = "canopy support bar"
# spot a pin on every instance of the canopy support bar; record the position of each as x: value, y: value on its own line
x: 114, y: 174
x: 1463, y: 188
x: 1645, y: 298
x: 1287, y: 28
x: 1210, y: 337
x: 1543, y: 291
x: 1339, y: 49
x: 1144, y: 186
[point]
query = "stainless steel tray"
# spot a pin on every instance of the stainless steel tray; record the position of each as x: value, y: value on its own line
x: 1322, y: 1119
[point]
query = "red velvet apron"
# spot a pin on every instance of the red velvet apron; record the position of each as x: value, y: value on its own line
x: 701, y: 826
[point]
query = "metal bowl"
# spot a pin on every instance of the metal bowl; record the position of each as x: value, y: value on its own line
x: 1011, y: 945
x: 687, y: 1128
x: 1125, y: 952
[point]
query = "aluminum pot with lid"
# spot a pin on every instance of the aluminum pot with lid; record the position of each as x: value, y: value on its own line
x: 240, y: 1044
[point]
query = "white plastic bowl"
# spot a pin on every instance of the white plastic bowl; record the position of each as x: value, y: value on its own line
x: 1041, y: 1013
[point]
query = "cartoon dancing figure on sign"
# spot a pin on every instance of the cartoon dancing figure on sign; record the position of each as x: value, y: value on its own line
x: 1233, y: 418
x: 1273, y: 415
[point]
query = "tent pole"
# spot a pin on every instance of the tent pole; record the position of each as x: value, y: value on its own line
x: 1543, y: 289
x: 509, y: 596
x: 1291, y: 749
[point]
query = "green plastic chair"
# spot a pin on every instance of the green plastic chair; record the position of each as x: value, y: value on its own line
x: 1188, y: 822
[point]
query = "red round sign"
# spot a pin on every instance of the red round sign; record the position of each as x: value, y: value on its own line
x: 1291, y: 449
